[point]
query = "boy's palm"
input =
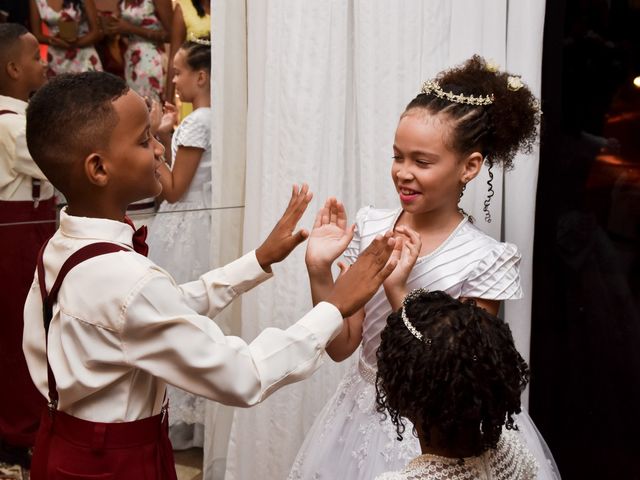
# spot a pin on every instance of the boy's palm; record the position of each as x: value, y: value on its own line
x: 282, y: 239
x: 330, y: 235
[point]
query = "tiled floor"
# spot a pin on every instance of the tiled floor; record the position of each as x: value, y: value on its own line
x: 189, y: 464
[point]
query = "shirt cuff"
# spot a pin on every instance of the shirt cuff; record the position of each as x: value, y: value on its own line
x: 245, y: 273
x: 324, y: 321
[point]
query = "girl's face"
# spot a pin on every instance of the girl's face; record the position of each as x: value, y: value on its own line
x: 427, y: 174
x: 186, y: 80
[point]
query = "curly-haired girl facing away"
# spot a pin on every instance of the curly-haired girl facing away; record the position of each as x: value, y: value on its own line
x: 466, y: 116
x: 452, y: 369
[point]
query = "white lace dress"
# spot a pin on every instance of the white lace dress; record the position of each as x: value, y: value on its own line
x: 349, y: 439
x: 179, y: 242
x: 509, y: 461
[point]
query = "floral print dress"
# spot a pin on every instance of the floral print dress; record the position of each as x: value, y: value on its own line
x: 144, y: 61
x: 67, y: 60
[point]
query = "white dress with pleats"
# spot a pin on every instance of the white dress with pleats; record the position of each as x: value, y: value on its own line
x: 350, y: 439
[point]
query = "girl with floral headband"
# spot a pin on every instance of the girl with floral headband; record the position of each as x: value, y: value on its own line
x: 452, y: 370
x: 463, y: 118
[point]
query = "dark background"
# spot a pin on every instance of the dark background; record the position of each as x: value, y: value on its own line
x: 585, y: 354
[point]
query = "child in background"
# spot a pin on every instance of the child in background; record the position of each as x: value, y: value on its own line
x: 453, y: 371
x: 27, y: 220
x: 105, y: 329
x: 179, y: 237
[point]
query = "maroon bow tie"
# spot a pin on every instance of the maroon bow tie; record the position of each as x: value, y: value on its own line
x: 139, y: 237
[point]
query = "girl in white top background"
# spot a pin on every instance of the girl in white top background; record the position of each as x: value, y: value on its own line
x: 466, y: 116
x: 179, y: 237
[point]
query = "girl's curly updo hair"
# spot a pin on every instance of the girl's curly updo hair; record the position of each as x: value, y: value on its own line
x: 498, y: 130
x: 464, y: 373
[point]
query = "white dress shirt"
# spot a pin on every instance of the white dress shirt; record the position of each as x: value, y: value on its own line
x: 17, y: 168
x: 122, y: 328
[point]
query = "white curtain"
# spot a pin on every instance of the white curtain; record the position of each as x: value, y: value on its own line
x: 326, y: 82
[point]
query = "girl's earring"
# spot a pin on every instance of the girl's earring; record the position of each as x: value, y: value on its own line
x: 464, y: 187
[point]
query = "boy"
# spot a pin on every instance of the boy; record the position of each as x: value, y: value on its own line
x: 27, y: 219
x: 120, y: 328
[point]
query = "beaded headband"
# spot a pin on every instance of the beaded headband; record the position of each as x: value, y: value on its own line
x: 199, y: 41
x: 414, y: 294
x: 432, y: 87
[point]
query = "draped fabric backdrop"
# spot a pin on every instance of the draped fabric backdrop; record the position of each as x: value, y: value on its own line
x: 326, y: 81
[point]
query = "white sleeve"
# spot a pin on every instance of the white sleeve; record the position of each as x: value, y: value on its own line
x: 165, y: 337
x: 22, y: 161
x: 352, y: 252
x: 194, y: 132
x: 497, y: 275
x: 214, y: 290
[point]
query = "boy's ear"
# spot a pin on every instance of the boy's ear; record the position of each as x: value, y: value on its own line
x: 13, y: 70
x: 95, y: 171
x: 472, y: 166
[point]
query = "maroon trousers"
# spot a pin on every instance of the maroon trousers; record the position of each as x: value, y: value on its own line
x: 20, y: 402
x: 70, y: 448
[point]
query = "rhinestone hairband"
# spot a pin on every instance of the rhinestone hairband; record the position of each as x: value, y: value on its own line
x: 199, y: 41
x: 414, y: 294
x: 432, y: 87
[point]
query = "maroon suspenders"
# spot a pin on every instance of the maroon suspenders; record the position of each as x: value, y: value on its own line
x: 70, y: 447
x: 85, y: 253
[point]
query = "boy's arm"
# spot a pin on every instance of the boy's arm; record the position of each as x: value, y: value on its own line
x: 164, y: 337
x: 217, y: 288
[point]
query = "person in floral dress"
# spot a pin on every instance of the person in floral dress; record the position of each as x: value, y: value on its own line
x: 145, y: 25
x: 64, y: 55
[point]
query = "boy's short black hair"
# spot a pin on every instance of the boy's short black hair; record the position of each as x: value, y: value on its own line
x: 69, y: 118
x: 464, y: 374
x: 10, y: 34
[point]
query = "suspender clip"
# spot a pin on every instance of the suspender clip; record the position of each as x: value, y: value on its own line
x: 52, y: 405
x: 35, y: 191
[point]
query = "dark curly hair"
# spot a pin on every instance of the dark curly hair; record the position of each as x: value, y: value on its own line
x: 464, y: 374
x: 498, y: 130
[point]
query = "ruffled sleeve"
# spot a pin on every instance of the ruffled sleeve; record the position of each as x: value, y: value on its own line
x: 194, y: 132
x: 497, y: 275
x: 353, y: 250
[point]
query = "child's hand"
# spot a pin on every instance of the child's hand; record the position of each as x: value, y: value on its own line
x: 169, y: 119
x: 356, y: 284
x: 329, y: 237
x: 406, y: 251
x: 281, y: 241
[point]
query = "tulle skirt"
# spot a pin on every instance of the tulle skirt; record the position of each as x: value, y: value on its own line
x: 351, y: 440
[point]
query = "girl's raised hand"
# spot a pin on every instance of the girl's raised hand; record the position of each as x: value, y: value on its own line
x: 406, y: 251
x: 169, y: 118
x: 330, y: 235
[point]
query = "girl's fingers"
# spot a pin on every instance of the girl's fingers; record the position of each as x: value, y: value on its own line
x: 341, y: 218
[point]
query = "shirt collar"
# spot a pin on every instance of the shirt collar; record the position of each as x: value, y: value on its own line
x: 13, y: 104
x: 100, y: 229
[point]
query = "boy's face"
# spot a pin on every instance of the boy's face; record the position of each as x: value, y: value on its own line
x: 134, y: 155
x: 32, y: 69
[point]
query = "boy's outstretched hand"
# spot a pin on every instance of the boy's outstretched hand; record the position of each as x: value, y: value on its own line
x: 358, y: 283
x: 282, y: 239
